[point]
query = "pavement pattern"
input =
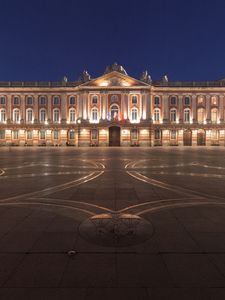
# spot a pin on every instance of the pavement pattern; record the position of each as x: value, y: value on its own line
x: 112, y: 223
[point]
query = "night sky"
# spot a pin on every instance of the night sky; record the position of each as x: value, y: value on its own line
x: 46, y: 40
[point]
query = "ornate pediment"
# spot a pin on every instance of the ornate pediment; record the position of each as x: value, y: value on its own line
x: 114, y: 79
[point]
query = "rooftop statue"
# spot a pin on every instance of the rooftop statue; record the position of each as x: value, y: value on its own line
x: 115, y: 67
x: 85, y: 76
x: 165, y: 79
x: 145, y: 77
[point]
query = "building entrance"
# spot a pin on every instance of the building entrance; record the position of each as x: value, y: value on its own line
x: 114, y: 136
x: 187, y: 138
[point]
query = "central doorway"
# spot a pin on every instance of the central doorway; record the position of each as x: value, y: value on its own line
x: 114, y: 136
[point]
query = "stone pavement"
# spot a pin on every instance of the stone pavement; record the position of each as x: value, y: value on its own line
x: 112, y: 223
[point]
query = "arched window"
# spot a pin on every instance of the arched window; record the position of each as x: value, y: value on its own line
x: 29, y: 115
x: 56, y: 100
x: 156, y: 115
x: 29, y: 100
x: 16, y: 115
x: 56, y: 115
x: 16, y: 100
x: 114, y: 112
x: 134, y: 114
x: 94, y: 115
x: 214, y: 115
x: 2, y: 100
x: 72, y: 115
x: 200, y: 100
x: 72, y: 100
x: 187, y: 115
x: 95, y: 99
x: 134, y: 99
x: 42, y: 100
x: 2, y: 115
x: 42, y: 115
x: 201, y: 115
x: 214, y: 100
x: 173, y: 100
x: 173, y: 115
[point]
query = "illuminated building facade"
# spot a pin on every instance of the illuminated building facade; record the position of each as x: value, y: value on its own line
x: 112, y: 110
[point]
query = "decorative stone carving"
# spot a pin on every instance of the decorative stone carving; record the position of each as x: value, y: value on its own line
x: 115, y: 67
x: 145, y: 77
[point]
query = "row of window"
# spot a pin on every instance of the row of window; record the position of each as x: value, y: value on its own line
x: 114, y: 115
x: 187, y: 115
x: 186, y: 100
x: 72, y: 100
x: 42, y: 100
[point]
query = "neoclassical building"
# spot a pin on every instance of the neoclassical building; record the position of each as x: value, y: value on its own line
x: 112, y: 110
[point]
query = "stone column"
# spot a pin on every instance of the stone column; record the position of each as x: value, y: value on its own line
x: 221, y: 108
x: 180, y: 108
x: 49, y: 101
x: 194, y: 108
x: 63, y: 108
x: 80, y: 106
x: 35, y: 107
x: 148, y: 106
x: 165, y: 108
x: 208, y: 109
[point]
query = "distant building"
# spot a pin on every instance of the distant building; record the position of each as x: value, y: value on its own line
x: 112, y: 110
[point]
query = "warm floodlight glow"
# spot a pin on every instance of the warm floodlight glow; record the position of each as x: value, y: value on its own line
x: 104, y: 83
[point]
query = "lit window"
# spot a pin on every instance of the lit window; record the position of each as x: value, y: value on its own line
x: 42, y: 100
x: 42, y: 115
x: 114, y: 112
x: 29, y: 115
x: 187, y: 101
x: 94, y: 134
x: 156, y: 100
x: 200, y: 100
x: 157, y: 115
x: 29, y: 100
x: 16, y: 115
x: 200, y: 115
x: 15, y: 134
x: 56, y: 115
x: 2, y: 134
x: 94, y: 115
x: 214, y: 115
x: 134, y: 114
x: 2, y: 115
x: 56, y: 100
x: 16, y: 100
x: 214, y: 134
x: 157, y: 134
x: 187, y: 115
x: 55, y: 134
x: 173, y: 134
x: 42, y: 134
x: 29, y: 135
x: 173, y: 115
x: 72, y: 115
x: 2, y: 100
x: 134, y: 99
x: 72, y: 100
x: 94, y: 100
x: 72, y: 135
x: 214, y: 100
x: 173, y: 100
x: 134, y: 134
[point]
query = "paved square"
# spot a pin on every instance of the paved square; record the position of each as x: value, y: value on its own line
x: 112, y: 223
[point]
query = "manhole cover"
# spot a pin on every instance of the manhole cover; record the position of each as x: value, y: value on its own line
x: 116, y: 229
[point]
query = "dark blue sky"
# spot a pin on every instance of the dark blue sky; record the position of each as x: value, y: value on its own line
x: 46, y: 39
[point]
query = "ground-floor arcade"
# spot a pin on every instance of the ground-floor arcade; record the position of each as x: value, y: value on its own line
x: 114, y: 135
